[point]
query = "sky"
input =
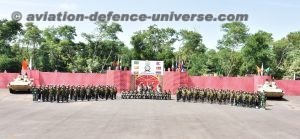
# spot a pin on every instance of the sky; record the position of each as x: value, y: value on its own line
x: 274, y: 16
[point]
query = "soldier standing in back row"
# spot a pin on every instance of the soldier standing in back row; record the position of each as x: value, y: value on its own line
x: 262, y: 100
x: 68, y: 91
x: 72, y: 92
x: 34, y: 92
x: 58, y: 94
x: 51, y: 93
x: 47, y: 93
x: 97, y: 93
x: 115, y: 93
x: 107, y: 92
x: 82, y: 93
x: 77, y: 93
x: 88, y: 93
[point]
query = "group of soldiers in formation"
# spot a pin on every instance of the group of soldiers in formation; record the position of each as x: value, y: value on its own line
x: 66, y: 93
x: 146, y: 92
x: 234, y: 98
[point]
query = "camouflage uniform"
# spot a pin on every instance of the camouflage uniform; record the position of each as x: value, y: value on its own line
x: 34, y: 92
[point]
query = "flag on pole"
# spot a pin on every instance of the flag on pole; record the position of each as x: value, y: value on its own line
x: 30, y: 64
x: 24, y: 64
x: 258, y: 70
x: 176, y: 64
x: 172, y: 65
x: 179, y: 65
x: 267, y: 70
x: 182, y: 66
x: 121, y: 63
x: 118, y: 64
x: 262, y: 69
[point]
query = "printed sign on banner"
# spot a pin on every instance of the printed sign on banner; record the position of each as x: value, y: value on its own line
x: 145, y: 67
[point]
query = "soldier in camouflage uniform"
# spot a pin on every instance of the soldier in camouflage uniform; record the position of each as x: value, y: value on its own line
x: 107, y: 93
x: 72, y: 92
x: 179, y: 94
x: 169, y: 95
x: 68, y: 92
x: 262, y: 100
x: 51, y: 94
x: 114, y: 93
x: 58, y: 94
x: 63, y: 93
x: 237, y: 98
x: 77, y: 93
x: 34, y: 92
x: 97, y: 93
x: 88, y: 92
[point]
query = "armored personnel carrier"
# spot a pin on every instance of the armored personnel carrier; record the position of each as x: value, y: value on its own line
x: 21, y: 83
x: 271, y: 90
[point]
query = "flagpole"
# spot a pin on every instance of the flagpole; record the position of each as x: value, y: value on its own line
x: 262, y: 69
x: 121, y: 63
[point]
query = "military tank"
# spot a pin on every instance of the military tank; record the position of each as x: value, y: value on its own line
x: 21, y: 83
x: 271, y: 90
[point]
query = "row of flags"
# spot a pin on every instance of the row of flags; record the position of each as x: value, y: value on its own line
x: 117, y: 64
x: 261, y: 70
x: 178, y: 65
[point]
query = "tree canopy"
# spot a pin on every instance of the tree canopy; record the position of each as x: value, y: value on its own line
x: 238, y: 52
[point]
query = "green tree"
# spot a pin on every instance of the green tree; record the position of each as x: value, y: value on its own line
x: 257, y: 51
x: 57, y: 50
x: 292, y: 59
x: 32, y: 39
x: 286, y: 51
x: 154, y: 44
x: 212, y: 63
x: 228, y: 62
x: 103, y: 47
x: 193, y: 52
x: 236, y: 34
x: 10, y: 56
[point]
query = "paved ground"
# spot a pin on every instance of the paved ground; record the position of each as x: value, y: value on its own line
x: 22, y: 118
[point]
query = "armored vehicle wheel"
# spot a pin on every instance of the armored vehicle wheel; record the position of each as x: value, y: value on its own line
x: 11, y: 91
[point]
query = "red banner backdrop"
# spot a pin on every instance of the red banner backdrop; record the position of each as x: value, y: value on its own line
x: 56, y: 78
x: 171, y: 80
x: 231, y: 83
x: 290, y: 87
x: 5, y: 78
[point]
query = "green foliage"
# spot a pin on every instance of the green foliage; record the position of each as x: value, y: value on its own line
x: 193, y: 52
x: 257, y: 51
x: 238, y: 53
x: 197, y: 64
x: 9, y: 53
x: 228, y: 62
x: 286, y: 54
x: 8, y: 33
x: 154, y: 44
x: 212, y: 62
x: 102, y: 48
x: 9, y: 64
x: 236, y: 34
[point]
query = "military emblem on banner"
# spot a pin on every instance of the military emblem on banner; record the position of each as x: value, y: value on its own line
x: 147, y: 66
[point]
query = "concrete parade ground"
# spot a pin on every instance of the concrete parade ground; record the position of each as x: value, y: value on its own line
x: 140, y: 119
